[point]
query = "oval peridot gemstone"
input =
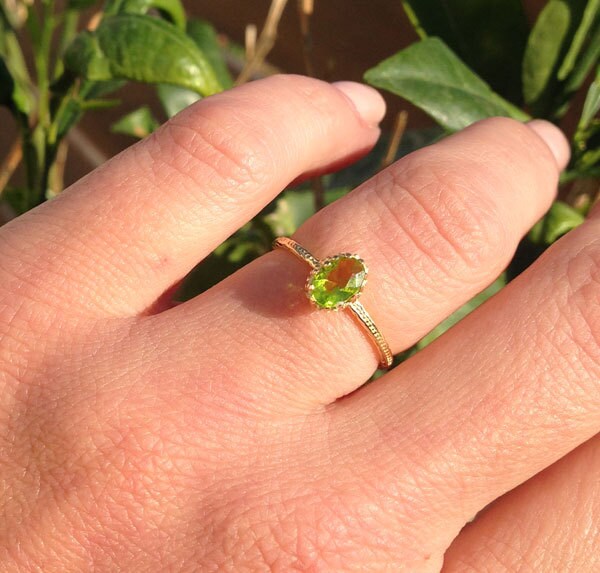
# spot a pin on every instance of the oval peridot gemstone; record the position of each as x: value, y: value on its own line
x: 337, y: 281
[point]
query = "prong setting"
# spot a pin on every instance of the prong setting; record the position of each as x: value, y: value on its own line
x: 316, y: 296
x: 349, y: 300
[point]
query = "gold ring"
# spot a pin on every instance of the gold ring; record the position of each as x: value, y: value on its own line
x: 336, y: 283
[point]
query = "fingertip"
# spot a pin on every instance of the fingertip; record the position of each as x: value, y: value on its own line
x: 554, y: 138
x: 367, y: 101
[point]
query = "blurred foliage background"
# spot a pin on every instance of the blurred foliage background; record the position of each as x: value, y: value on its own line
x: 70, y: 68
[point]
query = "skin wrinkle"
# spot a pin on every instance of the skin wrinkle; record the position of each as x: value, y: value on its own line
x: 578, y: 294
x: 569, y: 365
x: 239, y: 160
x: 48, y: 272
x: 466, y: 250
x: 398, y: 218
x: 172, y: 445
x: 539, y: 520
x: 483, y: 416
x: 412, y: 475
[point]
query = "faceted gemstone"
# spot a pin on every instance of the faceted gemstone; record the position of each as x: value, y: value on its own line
x: 337, y: 280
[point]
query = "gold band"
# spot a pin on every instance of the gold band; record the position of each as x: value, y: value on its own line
x: 358, y: 310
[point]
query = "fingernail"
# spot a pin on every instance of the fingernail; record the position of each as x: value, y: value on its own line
x: 367, y: 101
x: 554, y: 138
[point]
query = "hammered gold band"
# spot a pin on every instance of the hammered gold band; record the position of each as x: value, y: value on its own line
x: 358, y: 310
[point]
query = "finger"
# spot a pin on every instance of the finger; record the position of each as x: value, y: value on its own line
x: 434, y: 229
x: 505, y: 393
x: 122, y: 235
x: 550, y: 523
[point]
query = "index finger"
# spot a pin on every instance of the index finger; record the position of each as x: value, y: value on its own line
x: 117, y: 239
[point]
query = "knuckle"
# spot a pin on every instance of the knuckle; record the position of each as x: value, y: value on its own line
x: 212, y: 151
x: 446, y: 219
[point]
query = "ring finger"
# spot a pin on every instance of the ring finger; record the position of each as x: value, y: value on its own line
x: 435, y: 228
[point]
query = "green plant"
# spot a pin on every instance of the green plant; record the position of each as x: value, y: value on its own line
x: 147, y: 41
x: 478, y: 58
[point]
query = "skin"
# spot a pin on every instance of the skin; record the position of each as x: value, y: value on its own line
x: 231, y: 432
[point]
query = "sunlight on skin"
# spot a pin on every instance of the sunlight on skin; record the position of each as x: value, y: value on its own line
x: 230, y: 432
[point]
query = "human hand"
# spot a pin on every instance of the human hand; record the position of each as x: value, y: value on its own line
x: 210, y: 436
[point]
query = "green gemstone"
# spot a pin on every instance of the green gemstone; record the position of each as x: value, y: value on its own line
x: 338, y: 280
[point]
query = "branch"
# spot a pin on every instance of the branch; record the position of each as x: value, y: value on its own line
x: 397, y: 133
x: 10, y: 163
x: 266, y: 41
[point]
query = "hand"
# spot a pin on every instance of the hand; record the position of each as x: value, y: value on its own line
x: 210, y: 436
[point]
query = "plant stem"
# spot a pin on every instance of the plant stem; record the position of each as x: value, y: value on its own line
x: 250, y: 42
x: 305, y: 11
x: 57, y: 172
x: 32, y: 166
x: 42, y: 55
x: 68, y: 32
x: 42, y: 62
x: 10, y: 163
x: 397, y: 133
x: 568, y: 176
x: 266, y: 41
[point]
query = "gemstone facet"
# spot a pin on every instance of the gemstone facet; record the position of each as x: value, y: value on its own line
x: 337, y: 282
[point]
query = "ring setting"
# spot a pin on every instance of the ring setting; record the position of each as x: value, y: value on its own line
x: 336, y: 283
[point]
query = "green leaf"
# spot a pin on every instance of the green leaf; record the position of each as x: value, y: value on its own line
x: 205, y: 37
x: 584, y: 64
x: 139, y: 123
x: 431, y: 76
x: 562, y: 48
x: 488, y: 35
x: 68, y: 115
x: 171, y: 10
x: 144, y: 49
x: 591, y: 104
x: 463, y: 311
x: 587, y: 165
x: 94, y: 90
x: 13, y: 94
x: 590, y: 15
x: 96, y: 104
x: 15, y: 77
x: 544, y: 48
x: 175, y: 99
x: 294, y: 207
x: 560, y: 219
